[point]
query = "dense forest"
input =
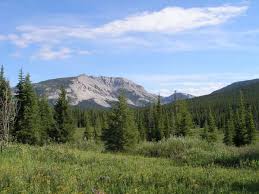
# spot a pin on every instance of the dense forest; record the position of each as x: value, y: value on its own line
x: 29, y: 119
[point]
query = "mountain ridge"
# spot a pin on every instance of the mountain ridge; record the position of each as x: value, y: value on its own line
x: 85, y: 90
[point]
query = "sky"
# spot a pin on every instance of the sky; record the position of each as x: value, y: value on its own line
x: 192, y: 46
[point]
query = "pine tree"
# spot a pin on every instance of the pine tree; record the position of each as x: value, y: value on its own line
x: 121, y: 133
x: 250, y: 126
x: 229, y: 129
x: 212, y: 136
x: 27, y: 122
x: 184, y: 119
x: 7, y: 109
x: 205, y: 131
x: 240, y: 124
x: 63, y: 119
x: 159, y: 125
x: 47, y: 123
x: 151, y: 123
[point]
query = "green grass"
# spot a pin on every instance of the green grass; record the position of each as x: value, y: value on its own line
x: 62, y: 169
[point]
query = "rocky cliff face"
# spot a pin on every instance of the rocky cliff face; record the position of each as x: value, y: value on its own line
x: 90, y: 91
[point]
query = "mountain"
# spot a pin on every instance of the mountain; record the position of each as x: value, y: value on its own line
x: 237, y: 86
x: 220, y: 100
x: 176, y: 96
x: 91, y: 91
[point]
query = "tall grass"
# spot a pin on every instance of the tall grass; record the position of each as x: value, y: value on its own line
x: 60, y: 169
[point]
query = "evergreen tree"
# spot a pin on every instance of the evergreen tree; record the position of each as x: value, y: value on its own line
x: 151, y: 123
x: 7, y: 108
x: 229, y: 129
x: 47, y: 123
x: 212, y: 136
x: 250, y: 126
x: 121, y: 133
x: 184, y: 119
x: 159, y: 125
x: 63, y: 119
x: 26, y: 128
x: 240, y: 124
x: 205, y: 131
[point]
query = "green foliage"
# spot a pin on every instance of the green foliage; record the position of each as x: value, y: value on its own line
x: 250, y: 126
x: 121, y: 133
x: 47, y: 123
x: 229, y: 129
x: 183, y: 119
x: 63, y: 119
x: 26, y: 129
x: 212, y: 136
x: 60, y: 169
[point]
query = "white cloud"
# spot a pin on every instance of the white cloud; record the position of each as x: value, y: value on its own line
x: 2, y: 37
x: 46, y: 53
x: 166, y: 21
x: 172, y: 20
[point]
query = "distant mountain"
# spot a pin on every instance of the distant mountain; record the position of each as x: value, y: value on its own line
x: 176, y: 96
x: 237, y: 86
x: 91, y: 91
x: 220, y: 100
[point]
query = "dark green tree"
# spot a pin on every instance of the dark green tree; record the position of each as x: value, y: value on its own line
x: 121, y: 133
x: 250, y: 126
x: 212, y: 135
x: 229, y: 129
x: 240, y: 123
x: 64, y: 128
x: 184, y: 119
x: 159, y: 125
x: 26, y: 129
x: 47, y: 124
x: 205, y: 131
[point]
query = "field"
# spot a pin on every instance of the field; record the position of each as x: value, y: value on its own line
x: 174, y: 166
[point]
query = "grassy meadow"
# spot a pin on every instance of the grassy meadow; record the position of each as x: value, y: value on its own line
x: 174, y: 166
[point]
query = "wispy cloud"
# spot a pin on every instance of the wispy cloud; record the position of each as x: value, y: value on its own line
x: 47, y: 53
x: 169, y: 20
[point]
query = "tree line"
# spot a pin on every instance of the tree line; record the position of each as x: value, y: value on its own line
x: 30, y: 119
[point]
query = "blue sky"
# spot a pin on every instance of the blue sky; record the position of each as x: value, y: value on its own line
x: 192, y: 46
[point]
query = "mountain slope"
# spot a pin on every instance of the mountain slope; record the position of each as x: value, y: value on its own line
x: 220, y: 100
x: 90, y: 91
x: 95, y: 90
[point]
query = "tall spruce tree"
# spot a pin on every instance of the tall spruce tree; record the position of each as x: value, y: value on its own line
x: 26, y: 128
x: 64, y: 128
x: 184, y: 119
x: 229, y: 129
x: 7, y: 108
x: 159, y: 125
x: 240, y: 123
x: 47, y: 123
x: 121, y: 133
x: 212, y: 136
x: 250, y: 126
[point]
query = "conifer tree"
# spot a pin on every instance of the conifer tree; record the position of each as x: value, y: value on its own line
x: 7, y: 109
x: 204, y: 134
x: 229, y: 129
x: 121, y: 133
x: 240, y: 124
x: 47, y: 123
x: 27, y: 122
x: 184, y: 119
x: 250, y: 126
x: 151, y: 123
x: 64, y: 128
x: 212, y: 136
x: 159, y: 125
